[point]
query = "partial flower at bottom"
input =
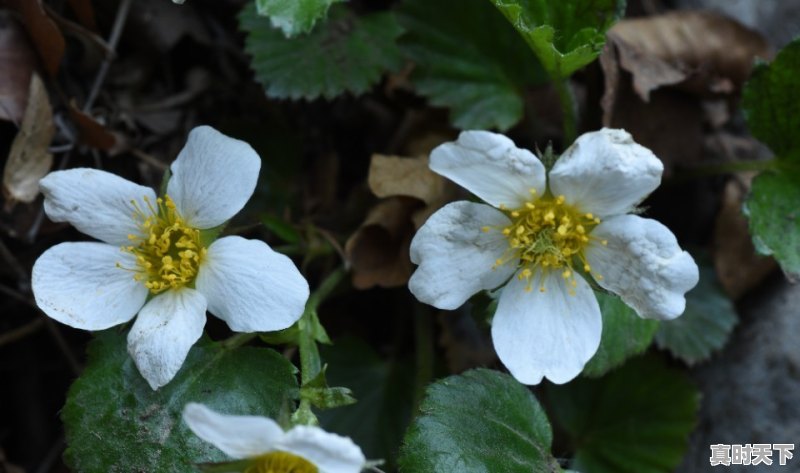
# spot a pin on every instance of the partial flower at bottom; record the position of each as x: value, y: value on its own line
x: 153, y: 259
x: 541, y: 240
x: 268, y: 449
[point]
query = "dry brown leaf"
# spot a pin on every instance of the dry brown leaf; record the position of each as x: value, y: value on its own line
x: 17, y: 60
x: 43, y: 31
x: 393, y: 175
x: 378, y: 250
x: 29, y: 159
x: 703, y: 52
x: 91, y: 132
x: 738, y: 265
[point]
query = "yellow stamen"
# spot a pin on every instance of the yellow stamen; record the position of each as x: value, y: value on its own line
x: 281, y: 462
x: 168, y: 252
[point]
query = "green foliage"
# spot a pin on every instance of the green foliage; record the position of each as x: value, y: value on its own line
x: 294, y: 16
x: 115, y: 422
x: 384, y: 392
x: 283, y: 229
x: 481, y: 421
x: 774, y: 211
x: 705, y: 325
x: 468, y: 59
x: 770, y: 99
x: 347, y: 53
x: 565, y: 35
x: 634, y: 420
x: 625, y: 334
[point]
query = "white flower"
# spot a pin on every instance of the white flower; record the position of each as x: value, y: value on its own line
x: 153, y: 261
x: 303, y: 449
x: 548, y: 320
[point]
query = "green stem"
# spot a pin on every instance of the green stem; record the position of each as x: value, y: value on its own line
x: 568, y: 109
x: 423, y: 334
x: 238, y: 340
x: 310, y: 361
x: 713, y: 169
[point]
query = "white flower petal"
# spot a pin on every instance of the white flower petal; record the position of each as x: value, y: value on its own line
x: 212, y: 178
x: 78, y: 284
x: 548, y: 334
x: 456, y: 257
x: 331, y: 453
x: 490, y: 166
x: 644, y: 265
x: 238, y: 436
x: 250, y: 286
x: 606, y: 173
x: 95, y: 202
x: 165, y: 330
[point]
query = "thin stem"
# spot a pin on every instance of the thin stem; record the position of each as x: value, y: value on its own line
x: 238, y: 340
x: 714, y: 169
x: 116, y: 32
x: 324, y: 290
x: 568, y: 109
x: 423, y: 334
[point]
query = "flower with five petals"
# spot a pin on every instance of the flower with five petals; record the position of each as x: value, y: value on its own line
x: 154, y: 260
x: 541, y: 236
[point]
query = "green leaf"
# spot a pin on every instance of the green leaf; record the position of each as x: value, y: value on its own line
x: 705, y: 325
x: 347, y: 53
x: 294, y: 16
x: 480, y: 421
x: 283, y: 229
x: 320, y: 395
x: 625, y: 334
x: 469, y: 59
x: 384, y: 390
x: 770, y: 99
x: 115, y: 422
x: 566, y: 34
x: 773, y: 208
x: 636, y: 419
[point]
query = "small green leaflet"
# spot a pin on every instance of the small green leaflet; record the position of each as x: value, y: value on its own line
x: 770, y: 102
x: 478, y: 422
x: 636, y: 419
x: 468, y: 59
x: 294, y: 17
x: 625, y: 334
x: 566, y: 34
x: 774, y: 211
x: 115, y: 422
x: 705, y: 325
x: 346, y: 53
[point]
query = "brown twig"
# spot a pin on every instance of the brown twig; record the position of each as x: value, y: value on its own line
x: 21, y: 332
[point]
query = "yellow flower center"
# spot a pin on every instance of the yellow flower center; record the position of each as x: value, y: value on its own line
x: 281, y: 462
x: 168, y: 252
x: 546, y: 235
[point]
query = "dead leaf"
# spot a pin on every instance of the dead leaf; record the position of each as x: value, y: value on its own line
x: 378, y: 250
x: 29, y: 159
x: 738, y: 265
x: 17, y: 62
x: 393, y: 175
x: 84, y: 13
x: 701, y: 51
x: 90, y: 131
x: 43, y: 31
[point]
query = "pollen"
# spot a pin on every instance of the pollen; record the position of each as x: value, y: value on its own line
x: 549, y: 234
x: 280, y: 462
x: 168, y: 252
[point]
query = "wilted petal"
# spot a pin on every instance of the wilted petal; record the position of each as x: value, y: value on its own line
x: 606, y: 173
x: 163, y: 333
x: 643, y: 263
x: 456, y: 256
x: 237, y: 436
x: 250, y: 286
x: 490, y: 166
x: 79, y: 284
x: 548, y: 334
x: 212, y: 178
x: 95, y: 202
